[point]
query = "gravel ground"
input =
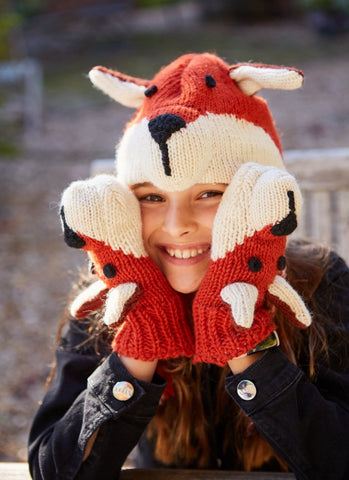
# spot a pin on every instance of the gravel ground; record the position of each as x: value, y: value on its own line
x: 37, y: 268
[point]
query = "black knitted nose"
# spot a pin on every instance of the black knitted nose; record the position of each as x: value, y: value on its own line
x: 71, y: 238
x: 289, y: 223
x: 161, y: 128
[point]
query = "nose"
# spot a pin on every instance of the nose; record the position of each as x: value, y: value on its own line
x: 161, y: 128
x: 179, y: 220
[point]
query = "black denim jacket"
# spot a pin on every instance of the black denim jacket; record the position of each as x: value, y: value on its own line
x: 307, y: 423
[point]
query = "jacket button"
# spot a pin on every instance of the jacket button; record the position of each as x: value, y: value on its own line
x: 123, y: 391
x: 246, y: 390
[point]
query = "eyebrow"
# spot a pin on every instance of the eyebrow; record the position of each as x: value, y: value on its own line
x: 149, y: 184
x: 139, y: 185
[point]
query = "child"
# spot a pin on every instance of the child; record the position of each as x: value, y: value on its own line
x: 208, y: 356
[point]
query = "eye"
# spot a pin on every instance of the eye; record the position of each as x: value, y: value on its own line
x: 151, y: 197
x: 211, y: 194
x: 149, y: 92
x: 210, y: 81
x: 281, y: 263
x: 254, y: 264
x: 109, y: 270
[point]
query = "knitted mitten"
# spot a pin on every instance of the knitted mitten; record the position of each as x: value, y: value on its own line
x: 258, y: 209
x: 102, y: 217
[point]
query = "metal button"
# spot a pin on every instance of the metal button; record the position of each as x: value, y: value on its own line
x: 123, y: 391
x: 246, y: 390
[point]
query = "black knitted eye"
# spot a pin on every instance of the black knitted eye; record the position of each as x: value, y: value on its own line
x: 281, y: 264
x: 109, y: 270
x: 210, y: 81
x: 149, y: 92
x: 254, y: 264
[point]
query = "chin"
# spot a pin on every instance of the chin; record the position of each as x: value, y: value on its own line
x: 185, y: 285
x: 185, y: 290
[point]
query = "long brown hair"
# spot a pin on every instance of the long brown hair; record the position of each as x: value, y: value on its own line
x: 180, y: 430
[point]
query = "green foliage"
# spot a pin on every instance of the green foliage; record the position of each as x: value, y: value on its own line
x: 8, y: 23
x: 9, y: 143
x: 8, y: 149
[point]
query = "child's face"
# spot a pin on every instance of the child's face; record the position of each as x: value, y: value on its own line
x: 177, y: 230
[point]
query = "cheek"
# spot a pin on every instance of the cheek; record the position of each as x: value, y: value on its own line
x: 206, y: 217
x: 150, y: 222
x: 146, y: 229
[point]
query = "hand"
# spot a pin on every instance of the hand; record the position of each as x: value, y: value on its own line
x: 238, y: 365
x: 102, y: 217
x: 258, y: 210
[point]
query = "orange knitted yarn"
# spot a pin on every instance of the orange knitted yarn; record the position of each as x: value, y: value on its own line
x: 153, y: 324
x: 197, y: 120
x: 103, y: 218
x: 189, y: 101
x: 217, y: 336
x: 258, y: 210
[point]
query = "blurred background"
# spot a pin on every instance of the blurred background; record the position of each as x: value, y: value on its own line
x: 53, y: 124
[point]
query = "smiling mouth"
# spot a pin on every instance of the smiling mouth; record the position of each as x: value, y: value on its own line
x: 184, y: 254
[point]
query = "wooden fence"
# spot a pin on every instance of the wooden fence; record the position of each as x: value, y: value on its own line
x: 20, y: 471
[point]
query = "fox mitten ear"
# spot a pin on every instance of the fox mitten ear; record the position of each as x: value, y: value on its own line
x: 103, y: 218
x: 258, y: 210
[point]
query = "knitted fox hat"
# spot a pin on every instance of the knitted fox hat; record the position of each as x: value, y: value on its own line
x: 197, y: 120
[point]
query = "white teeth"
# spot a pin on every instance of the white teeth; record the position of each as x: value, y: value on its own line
x: 185, y: 253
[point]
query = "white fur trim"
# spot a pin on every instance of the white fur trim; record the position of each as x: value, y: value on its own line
x: 281, y: 289
x: 105, y: 210
x: 251, y: 79
x: 208, y: 150
x: 128, y: 94
x: 116, y: 300
x: 242, y: 298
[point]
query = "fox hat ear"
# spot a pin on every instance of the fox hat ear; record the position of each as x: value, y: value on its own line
x: 197, y: 120
x: 126, y: 90
x: 251, y: 78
